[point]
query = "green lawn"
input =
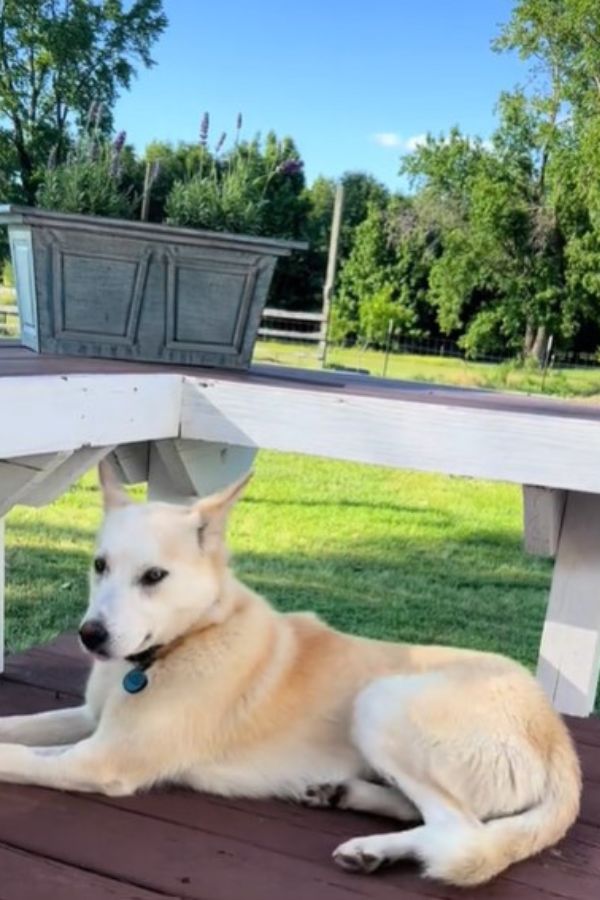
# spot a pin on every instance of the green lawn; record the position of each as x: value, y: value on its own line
x: 381, y: 552
x: 583, y: 382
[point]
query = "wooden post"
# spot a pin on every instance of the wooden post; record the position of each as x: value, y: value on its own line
x: 569, y: 660
x: 334, y: 242
x: 388, y: 345
x: 146, y: 195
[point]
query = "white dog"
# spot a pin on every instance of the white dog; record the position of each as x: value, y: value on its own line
x: 198, y: 681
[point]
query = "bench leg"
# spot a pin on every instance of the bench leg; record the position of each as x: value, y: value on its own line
x: 569, y: 661
x: 180, y: 470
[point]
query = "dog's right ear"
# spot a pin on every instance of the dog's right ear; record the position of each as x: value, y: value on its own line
x: 113, y: 494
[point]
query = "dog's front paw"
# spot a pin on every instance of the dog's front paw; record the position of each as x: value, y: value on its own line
x: 324, y: 796
x: 359, y: 855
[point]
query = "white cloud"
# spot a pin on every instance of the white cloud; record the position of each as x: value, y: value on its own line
x: 414, y: 142
x: 389, y: 139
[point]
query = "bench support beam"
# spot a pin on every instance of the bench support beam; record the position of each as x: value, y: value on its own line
x: 569, y: 662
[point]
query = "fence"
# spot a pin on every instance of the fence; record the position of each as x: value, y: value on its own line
x: 9, y: 313
x: 298, y: 319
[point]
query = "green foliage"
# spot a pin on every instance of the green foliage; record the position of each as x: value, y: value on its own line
x: 246, y: 190
x: 59, y: 56
x: 365, y: 273
x: 7, y: 274
x: 382, y: 315
x: 90, y: 180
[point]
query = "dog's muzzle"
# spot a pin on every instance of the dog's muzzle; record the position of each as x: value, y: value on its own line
x: 93, y: 635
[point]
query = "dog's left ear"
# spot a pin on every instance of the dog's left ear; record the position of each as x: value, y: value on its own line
x: 113, y: 494
x: 212, y: 511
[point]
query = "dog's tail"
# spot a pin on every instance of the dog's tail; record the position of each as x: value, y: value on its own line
x: 475, y: 854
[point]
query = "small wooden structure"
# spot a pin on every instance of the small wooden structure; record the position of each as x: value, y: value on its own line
x: 188, y: 431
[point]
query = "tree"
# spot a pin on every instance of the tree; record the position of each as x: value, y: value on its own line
x: 361, y: 191
x: 562, y: 41
x: 366, y: 272
x: 57, y: 59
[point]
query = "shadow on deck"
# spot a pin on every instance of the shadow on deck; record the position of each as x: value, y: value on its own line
x: 167, y: 844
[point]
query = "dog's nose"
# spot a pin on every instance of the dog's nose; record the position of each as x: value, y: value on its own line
x: 93, y: 634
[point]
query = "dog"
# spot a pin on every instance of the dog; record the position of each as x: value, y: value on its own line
x: 198, y: 681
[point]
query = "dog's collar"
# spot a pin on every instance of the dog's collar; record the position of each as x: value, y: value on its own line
x: 136, y: 679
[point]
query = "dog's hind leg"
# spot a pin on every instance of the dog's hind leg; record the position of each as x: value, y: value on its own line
x: 59, y: 726
x: 362, y: 796
x: 394, y: 747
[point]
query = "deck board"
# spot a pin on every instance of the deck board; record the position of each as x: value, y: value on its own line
x: 176, y: 843
x: 18, y: 361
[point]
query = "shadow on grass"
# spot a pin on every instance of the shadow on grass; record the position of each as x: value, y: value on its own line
x: 478, y: 590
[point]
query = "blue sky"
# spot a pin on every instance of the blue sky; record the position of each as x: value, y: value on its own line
x: 355, y: 82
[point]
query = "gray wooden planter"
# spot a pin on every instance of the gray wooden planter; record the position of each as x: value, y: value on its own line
x: 90, y: 286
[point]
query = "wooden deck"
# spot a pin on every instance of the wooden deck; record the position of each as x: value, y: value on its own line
x: 16, y: 361
x: 172, y: 843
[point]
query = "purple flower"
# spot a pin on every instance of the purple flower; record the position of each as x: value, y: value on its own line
x: 290, y: 167
x: 220, y: 142
x: 119, y: 142
x: 204, y: 125
x: 238, y: 123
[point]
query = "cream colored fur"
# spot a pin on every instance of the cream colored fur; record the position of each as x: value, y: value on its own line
x: 243, y: 700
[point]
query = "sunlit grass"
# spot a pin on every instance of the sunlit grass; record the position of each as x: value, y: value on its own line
x: 380, y: 552
x: 581, y: 382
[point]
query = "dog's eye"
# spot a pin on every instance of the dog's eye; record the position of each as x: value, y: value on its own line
x: 153, y: 576
x: 100, y: 565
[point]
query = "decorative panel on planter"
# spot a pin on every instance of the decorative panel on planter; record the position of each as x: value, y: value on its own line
x: 91, y: 286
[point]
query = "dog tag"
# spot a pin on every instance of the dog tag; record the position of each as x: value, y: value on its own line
x: 135, y: 681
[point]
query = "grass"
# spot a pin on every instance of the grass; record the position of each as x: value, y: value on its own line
x: 375, y: 551
x: 575, y: 382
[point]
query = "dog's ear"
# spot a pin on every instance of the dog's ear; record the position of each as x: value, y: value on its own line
x: 211, y: 512
x: 113, y: 494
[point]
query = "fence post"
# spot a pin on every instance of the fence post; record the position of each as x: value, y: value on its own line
x: 388, y: 345
x: 334, y: 242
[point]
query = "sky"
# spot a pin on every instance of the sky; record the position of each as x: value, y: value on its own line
x: 356, y: 83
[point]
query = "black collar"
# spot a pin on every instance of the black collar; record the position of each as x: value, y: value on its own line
x: 146, y: 658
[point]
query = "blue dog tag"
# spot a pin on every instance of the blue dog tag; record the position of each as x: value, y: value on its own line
x: 135, y: 681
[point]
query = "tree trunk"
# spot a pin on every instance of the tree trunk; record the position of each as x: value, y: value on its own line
x: 539, y: 346
x: 528, y: 340
x: 25, y: 168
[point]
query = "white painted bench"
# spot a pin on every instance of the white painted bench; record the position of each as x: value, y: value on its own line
x: 188, y: 435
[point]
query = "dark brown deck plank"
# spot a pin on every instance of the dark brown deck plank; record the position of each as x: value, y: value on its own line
x: 57, y: 672
x: 299, y: 833
x: 232, y: 848
x: 25, y: 699
x: 164, y: 857
x: 24, y: 876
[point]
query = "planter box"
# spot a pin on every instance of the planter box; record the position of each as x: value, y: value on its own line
x: 90, y: 286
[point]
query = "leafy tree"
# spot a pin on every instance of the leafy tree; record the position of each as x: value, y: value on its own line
x: 382, y: 311
x: 361, y: 191
x: 57, y: 58
x: 366, y: 272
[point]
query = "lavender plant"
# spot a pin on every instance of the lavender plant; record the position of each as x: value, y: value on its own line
x: 90, y: 180
x: 230, y: 191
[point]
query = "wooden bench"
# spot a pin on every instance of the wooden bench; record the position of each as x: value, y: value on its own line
x: 189, y: 431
